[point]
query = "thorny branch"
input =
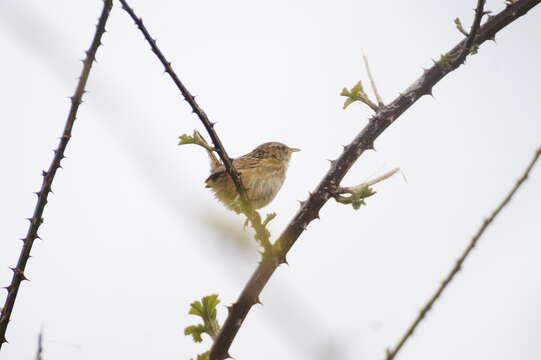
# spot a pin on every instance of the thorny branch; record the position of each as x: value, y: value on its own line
x: 363, y: 141
x: 262, y: 234
x: 48, y: 176
x: 390, y: 355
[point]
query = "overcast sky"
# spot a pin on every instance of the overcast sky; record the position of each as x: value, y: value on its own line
x: 131, y: 236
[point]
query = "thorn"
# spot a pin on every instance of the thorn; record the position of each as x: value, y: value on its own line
x: 38, y: 193
x: 258, y: 301
x: 229, y: 309
x: 43, y: 173
x: 301, y: 202
x: 212, y: 124
x: 428, y: 92
x: 425, y: 71
x: 282, y: 260
x: 7, y: 288
x: 370, y: 147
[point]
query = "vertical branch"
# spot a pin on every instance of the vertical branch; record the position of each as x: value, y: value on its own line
x: 48, y: 176
x: 473, y: 31
x: 261, y: 232
x: 391, y: 354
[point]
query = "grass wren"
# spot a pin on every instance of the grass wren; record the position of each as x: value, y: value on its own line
x: 262, y: 173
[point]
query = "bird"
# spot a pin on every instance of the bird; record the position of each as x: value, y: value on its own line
x: 262, y: 172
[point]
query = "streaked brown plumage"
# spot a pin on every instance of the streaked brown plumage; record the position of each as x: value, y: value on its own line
x: 262, y: 172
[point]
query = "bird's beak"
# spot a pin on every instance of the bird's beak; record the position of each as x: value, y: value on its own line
x: 292, y: 150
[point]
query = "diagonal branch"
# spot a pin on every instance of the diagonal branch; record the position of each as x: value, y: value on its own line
x: 262, y: 233
x: 48, y: 176
x: 390, y: 355
x: 363, y: 141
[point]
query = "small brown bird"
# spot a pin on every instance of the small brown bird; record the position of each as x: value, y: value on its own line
x: 262, y: 173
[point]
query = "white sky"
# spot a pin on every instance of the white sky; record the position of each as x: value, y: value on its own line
x: 132, y: 236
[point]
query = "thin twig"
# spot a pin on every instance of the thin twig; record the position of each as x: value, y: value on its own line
x: 48, y: 176
x: 373, y: 83
x: 359, y: 193
x: 262, y: 233
x: 374, y: 181
x: 39, y: 352
x: 363, y: 141
x: 390, y: 355
x: 473, y: 30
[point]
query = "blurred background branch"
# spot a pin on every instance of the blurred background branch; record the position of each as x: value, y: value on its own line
x: 48, y: 176
x: 391, y: 353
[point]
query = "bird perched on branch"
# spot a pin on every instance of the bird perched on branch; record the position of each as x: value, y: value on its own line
x: 261, y: 171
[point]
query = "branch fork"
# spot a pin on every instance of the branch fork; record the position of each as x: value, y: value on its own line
x: 357, y: 93
x: 358, y: 193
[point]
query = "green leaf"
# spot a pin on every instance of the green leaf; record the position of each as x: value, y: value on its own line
x: 358, y: 197
x: 459, y: 26
x: 355, y: 94
x: 345, y: 92
x: 348, y: 102
x: 195, y: 331
x: 357, y: 90
x: 269, y: 218
x: 203, y: 356
x: 443, y: 62
x: 186, y: 139
x: 206, y: 310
